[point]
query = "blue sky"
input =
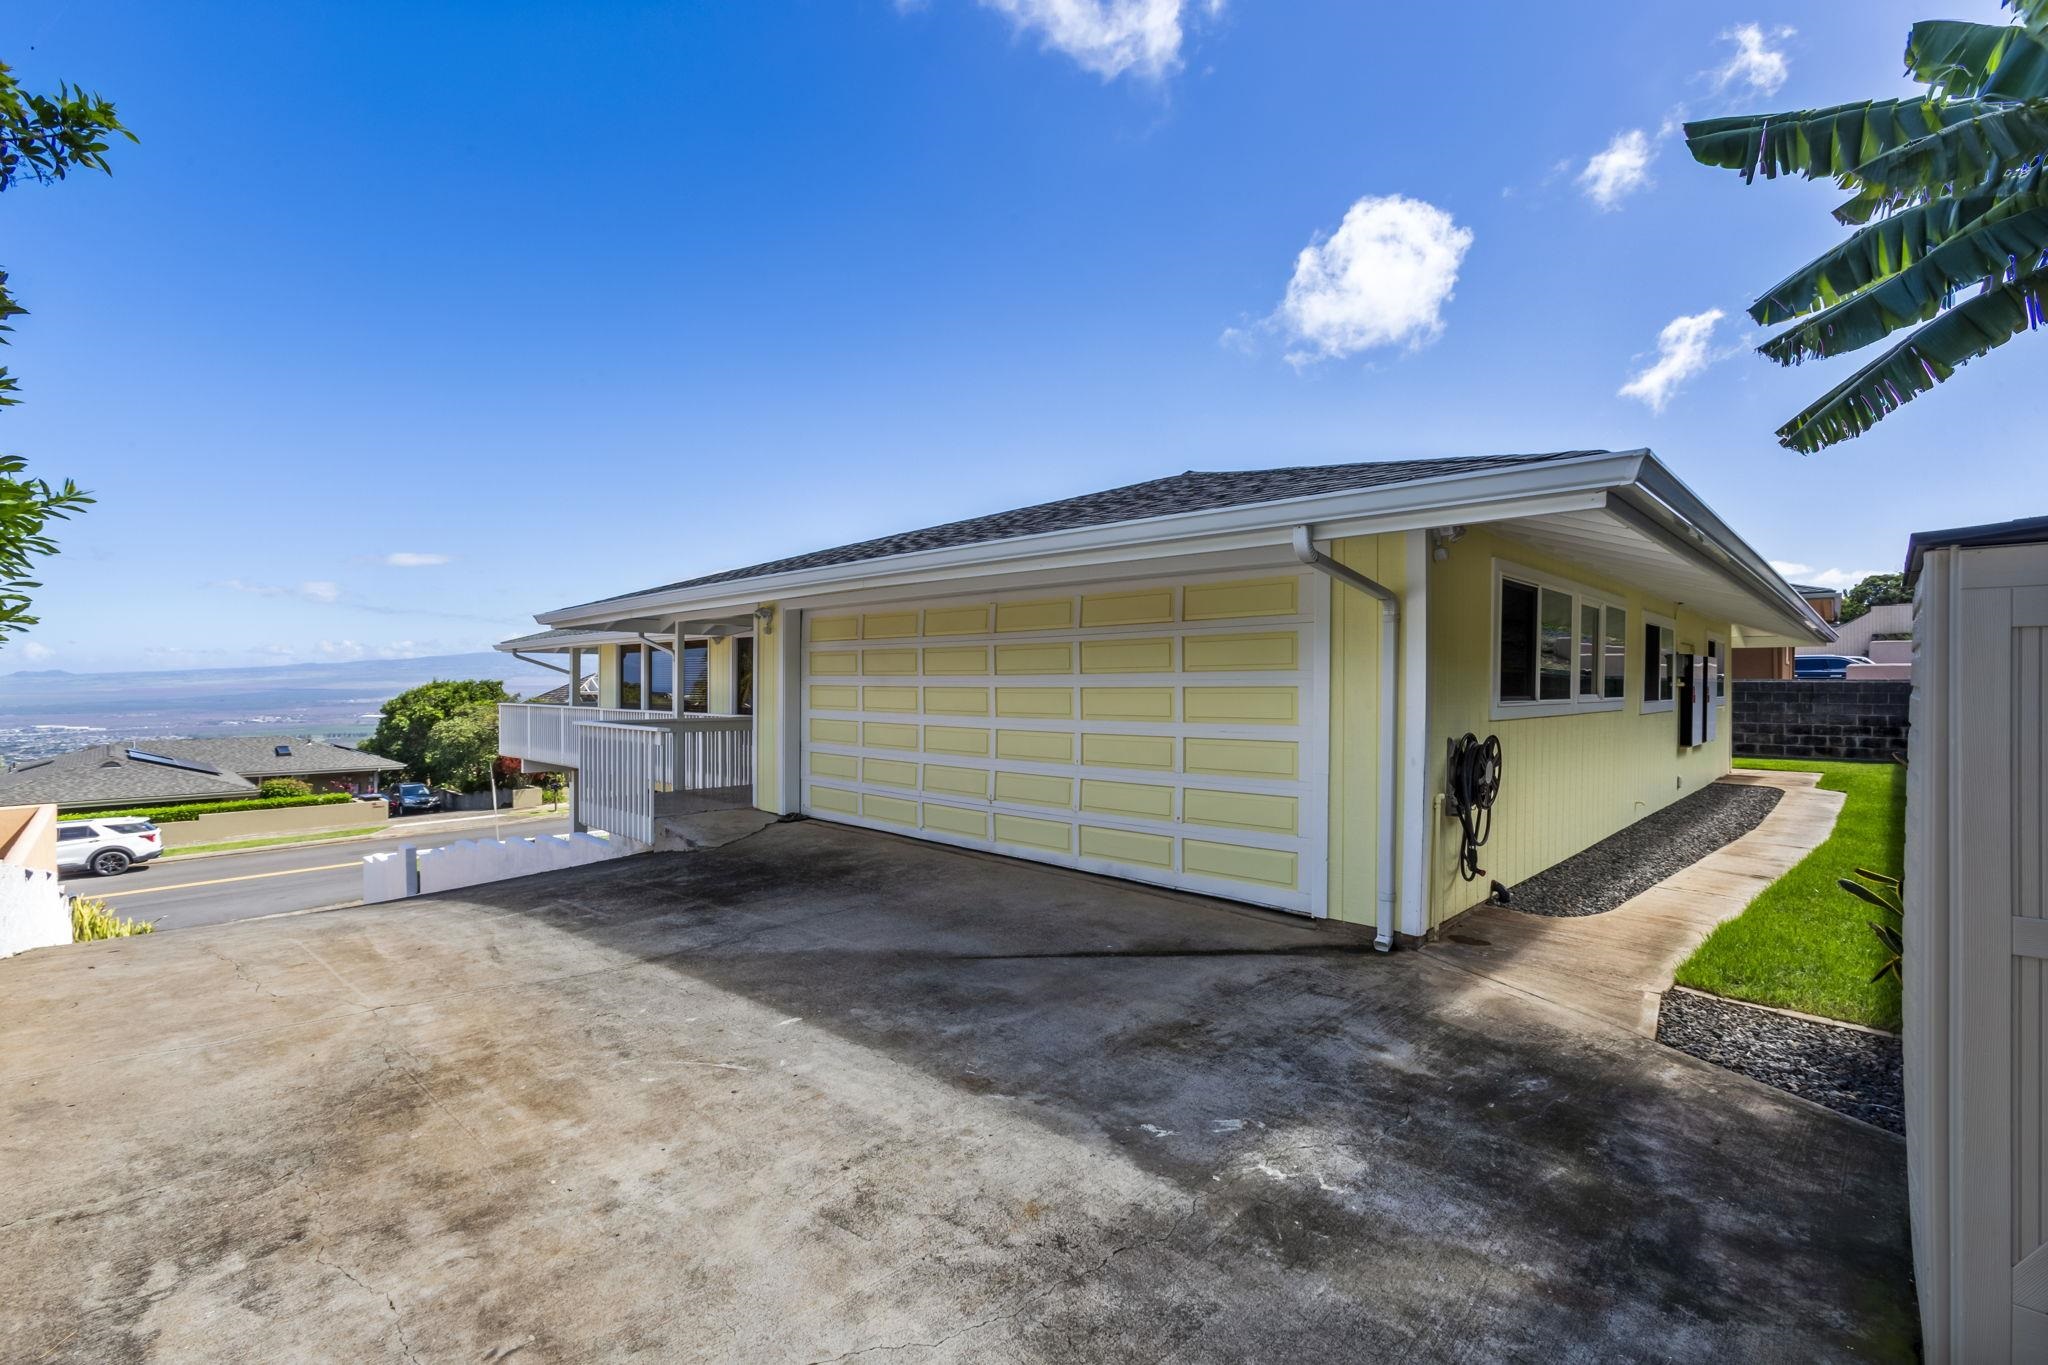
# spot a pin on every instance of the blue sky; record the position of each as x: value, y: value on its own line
x: 405, y: 321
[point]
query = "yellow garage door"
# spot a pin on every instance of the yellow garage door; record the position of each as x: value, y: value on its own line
x: 1173, y: 733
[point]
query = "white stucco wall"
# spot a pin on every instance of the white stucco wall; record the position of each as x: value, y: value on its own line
x: 474, y: 861
x: 34, y: 911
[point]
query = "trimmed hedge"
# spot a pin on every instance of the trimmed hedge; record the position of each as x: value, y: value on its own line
x: 166, y: 815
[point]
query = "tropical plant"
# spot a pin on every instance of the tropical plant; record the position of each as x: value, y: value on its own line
x: 43, y: 138
x: 1948, y: 192
x: 1878, y: 590
x: 1881, y: 891
x: 462, y: 748
x: 90, y: 919
x: 405, y: 722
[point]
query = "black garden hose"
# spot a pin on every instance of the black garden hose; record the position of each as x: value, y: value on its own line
x: 1471, y: 784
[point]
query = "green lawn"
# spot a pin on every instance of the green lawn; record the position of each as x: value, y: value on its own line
x: 1805, y: 944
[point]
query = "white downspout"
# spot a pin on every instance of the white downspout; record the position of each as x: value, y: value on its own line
x: 1390, y: 681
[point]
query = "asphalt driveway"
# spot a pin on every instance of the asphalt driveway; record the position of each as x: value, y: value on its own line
x: 823, y: 1093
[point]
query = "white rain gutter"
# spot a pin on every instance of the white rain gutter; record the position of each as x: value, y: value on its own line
x: 1390, y: 682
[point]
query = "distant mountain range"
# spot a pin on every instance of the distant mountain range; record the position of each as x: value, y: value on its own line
x: 44, y: 711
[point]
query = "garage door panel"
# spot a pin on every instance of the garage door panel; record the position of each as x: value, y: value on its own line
x: 1150, y: 655
x: 956, y: 661
x: 1031, y: 831
x: 956, y: 820
x: 888, y: 699
x: 1034, y: 789
x: 1185, y: 746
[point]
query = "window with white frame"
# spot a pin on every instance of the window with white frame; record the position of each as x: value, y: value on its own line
x: 1660, y: 664
x: 1557, y: 647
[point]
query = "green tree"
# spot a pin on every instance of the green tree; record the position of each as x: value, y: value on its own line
x: 1878, y: 590
x: 406, y: 721
x: 1949, y: 193
x: 43, y: 138
x: 461, y: 749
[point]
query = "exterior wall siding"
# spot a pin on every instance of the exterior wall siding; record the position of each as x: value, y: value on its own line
x: 1567, y: 781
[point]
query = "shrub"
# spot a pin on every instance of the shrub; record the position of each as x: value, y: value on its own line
x: 165, y: 815
x: 283, y: 786
x: 90, y: 919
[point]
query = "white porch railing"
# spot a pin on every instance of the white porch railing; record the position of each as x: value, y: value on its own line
x: 616, y: 770
x: 710, y: 752
x: 697, y: 751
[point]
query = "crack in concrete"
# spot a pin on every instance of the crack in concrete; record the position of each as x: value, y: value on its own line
x: 320, y: 1257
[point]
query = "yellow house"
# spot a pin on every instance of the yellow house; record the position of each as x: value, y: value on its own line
x: 1272, y: 685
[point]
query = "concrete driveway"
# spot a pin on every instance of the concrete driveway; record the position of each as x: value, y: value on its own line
x: 823, y: 1093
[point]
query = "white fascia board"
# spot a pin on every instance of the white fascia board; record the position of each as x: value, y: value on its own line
x: 1424, y: 502
x: 1736, y: 559
x: 587, y: 639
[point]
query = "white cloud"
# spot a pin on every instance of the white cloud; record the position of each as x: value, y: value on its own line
x: 313, y: 590
x: 414, y: 559
x: 1623, y: 168
x: 1382, y: 278
x: 1108, y: 37
x: 34, y: 652
x: 1807, y: 576
x: 1683, y: 349
x: 1756, y: 64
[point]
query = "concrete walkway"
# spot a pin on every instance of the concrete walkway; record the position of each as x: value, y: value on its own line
x: 1616, y: 966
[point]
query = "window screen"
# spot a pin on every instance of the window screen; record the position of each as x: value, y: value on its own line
x: 1517, y: 641
x: 1554, y: 665
x: 1589, y: 650
x: 1614, y: 654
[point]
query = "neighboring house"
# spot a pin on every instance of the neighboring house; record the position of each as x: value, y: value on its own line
x: 1892, y: 619
x: 173, y: 771
x: 1775, y: 661
x: 1243, y: 683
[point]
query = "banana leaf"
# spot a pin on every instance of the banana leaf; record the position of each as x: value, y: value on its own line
x: 1996, y: 141
x: 2015, y: 244
x: 1926, y: 358
x: 1988, y: 61
x: 1893, y: 244
x: 1834, y: 141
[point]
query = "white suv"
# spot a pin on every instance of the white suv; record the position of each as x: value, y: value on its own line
x: 106, y: 847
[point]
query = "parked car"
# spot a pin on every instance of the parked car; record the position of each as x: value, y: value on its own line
x: 1825, y: 665
x: 106, y: 848
x: 412, y: 798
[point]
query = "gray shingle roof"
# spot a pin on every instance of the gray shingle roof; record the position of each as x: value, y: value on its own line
x: 1808, y: 590
x: 1193, y: 491
x: 105, y: 775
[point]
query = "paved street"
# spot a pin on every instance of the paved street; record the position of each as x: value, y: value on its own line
x: 179, y: 893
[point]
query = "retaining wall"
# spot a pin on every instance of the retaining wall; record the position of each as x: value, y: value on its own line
x: 1816, y: 719
x: 473, y: 861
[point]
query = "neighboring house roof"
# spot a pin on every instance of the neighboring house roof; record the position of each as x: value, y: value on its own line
x: 1193, y: 491
x: 1624, y: 504
x: 108, y: 775
x: 1809, y: 592
x: 557, y: 696
x: 2026, y: 531
x: 171, y: 770
x: 257, y: 756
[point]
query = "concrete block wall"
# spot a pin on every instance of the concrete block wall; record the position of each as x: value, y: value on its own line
x: 1815, y: 719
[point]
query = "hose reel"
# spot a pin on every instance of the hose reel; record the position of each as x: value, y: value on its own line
x: 1471, y: 782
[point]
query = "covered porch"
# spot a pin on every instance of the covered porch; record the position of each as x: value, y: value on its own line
x: 653, y: 722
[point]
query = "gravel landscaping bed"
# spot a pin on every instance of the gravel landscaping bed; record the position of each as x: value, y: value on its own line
x: 1631, y: 862
x: 1849, y: 1070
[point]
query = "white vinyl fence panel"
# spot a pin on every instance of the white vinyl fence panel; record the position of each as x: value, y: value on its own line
x: 1976, y: 959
